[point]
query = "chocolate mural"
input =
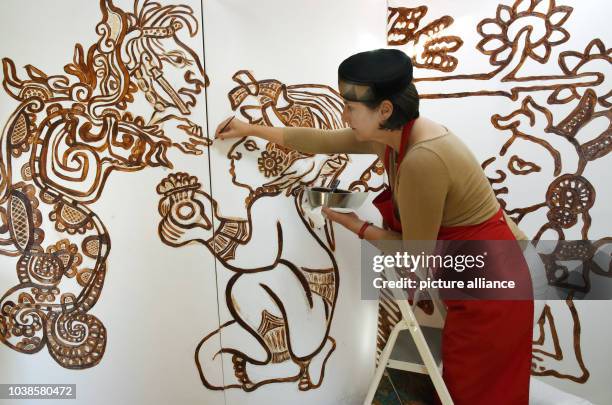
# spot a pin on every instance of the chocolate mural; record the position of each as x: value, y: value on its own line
x: 61, y: 143
x: 541, y: 144
x: 70, y: 130
x: 281, y: 313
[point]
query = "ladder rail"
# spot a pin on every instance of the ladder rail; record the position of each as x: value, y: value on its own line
x: 409, y: 322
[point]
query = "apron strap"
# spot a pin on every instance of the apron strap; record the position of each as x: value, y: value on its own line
x: 406, y: 130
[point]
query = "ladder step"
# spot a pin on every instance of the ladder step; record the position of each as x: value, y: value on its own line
x: 405, y: 366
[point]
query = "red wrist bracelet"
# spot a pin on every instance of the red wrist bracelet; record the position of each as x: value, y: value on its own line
x: 363, y: 228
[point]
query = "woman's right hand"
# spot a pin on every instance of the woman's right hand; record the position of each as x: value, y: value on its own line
x: 232, y: 127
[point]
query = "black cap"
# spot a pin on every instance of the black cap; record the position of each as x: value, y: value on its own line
x: 372, y: 75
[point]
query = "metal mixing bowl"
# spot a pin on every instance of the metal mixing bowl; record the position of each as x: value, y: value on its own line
x: 341, y: 199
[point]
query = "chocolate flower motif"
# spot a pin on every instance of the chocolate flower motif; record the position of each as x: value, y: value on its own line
x: 431, y: 47
x: 68, y: 254
x: 541, y: 17
x: 573, y: 63
x: 270, y: 163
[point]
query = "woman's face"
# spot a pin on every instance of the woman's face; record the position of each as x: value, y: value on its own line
x: 364, y: 120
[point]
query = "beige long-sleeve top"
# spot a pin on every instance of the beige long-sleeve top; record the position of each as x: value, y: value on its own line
x: 439, y: 182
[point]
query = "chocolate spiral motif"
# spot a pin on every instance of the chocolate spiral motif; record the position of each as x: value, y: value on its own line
x: 24, y: 321
x: 79, y: 162
x: 568, y: 196
x: 40, y: 268
x: 76, y: 340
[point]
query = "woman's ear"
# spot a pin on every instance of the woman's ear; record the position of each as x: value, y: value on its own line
x: 386, y: 109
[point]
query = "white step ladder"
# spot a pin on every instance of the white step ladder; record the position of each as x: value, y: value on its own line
x: 418, y: 356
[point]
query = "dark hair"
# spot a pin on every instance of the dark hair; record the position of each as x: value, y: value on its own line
x: 405, y: 108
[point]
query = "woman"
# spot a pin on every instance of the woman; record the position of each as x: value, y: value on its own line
x: 437, y: 191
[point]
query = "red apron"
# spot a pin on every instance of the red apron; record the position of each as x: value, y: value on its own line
x: 486, y: 345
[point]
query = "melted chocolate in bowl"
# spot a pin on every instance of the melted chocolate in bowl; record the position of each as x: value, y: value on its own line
x: 344, y: 199
x: 328, y: 190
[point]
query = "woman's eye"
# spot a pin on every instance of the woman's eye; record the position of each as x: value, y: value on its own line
x: 521, y: 167
x: 250, y: 146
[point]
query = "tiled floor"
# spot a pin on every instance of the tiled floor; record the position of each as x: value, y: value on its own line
x: 403, y: 388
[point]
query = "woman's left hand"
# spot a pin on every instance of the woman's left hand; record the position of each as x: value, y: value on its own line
x: 349, y: 220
